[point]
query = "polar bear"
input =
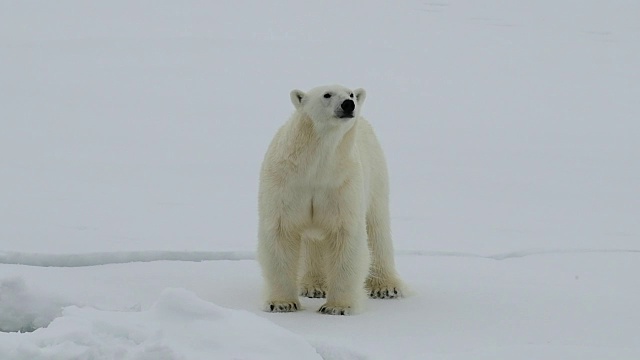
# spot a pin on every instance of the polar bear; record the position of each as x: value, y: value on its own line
x: 324, y: 207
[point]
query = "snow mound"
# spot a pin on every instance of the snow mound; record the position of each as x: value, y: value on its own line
x: 22, y: 310
x: 178, y: 326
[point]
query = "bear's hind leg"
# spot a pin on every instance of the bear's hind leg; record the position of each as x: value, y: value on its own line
x: 278, y: 258
x: 383, y: 282
x: 313, y: 280
x: 348, y: 264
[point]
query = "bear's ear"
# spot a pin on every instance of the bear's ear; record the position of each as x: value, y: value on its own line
x: 361, y: 94
x: 296, y: 98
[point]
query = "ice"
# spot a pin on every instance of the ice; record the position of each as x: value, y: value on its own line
x: 118, y: 257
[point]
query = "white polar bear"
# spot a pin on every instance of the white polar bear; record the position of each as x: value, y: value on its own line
x: 324, y: 192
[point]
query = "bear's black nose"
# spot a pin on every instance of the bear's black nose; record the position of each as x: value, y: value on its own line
x: 348, y: 106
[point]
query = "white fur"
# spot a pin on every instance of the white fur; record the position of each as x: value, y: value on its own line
x: 323, y: 192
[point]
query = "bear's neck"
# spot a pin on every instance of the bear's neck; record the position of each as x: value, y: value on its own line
x: 324, y: 145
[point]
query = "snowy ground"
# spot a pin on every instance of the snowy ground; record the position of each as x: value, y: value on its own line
x: 551, y: 306
x: 132, y: 132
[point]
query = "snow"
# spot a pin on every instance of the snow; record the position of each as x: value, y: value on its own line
x: 129, y: 160
x: 22, y: 310
x: 178, y: 325
x: 554, y: 305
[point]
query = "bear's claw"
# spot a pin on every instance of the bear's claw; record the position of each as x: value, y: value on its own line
x: 278, y: 306
x: 334, y: 310
x: 385, y: 293
x: 313, y: 293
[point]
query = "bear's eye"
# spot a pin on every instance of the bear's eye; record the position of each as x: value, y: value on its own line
x: 327, y: 95
x: 351, y: 95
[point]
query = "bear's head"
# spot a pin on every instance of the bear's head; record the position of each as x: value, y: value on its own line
x: 327, y: 105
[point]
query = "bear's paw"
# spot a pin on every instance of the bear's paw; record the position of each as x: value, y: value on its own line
x: 384, y: 289
x: 385, y: 293
x: 282, y: 306
x: 335, y: 310
x: 314, y: 292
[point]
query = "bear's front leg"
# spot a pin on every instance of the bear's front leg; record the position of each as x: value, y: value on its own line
x: 278, y: 258
x: 348, y: 265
